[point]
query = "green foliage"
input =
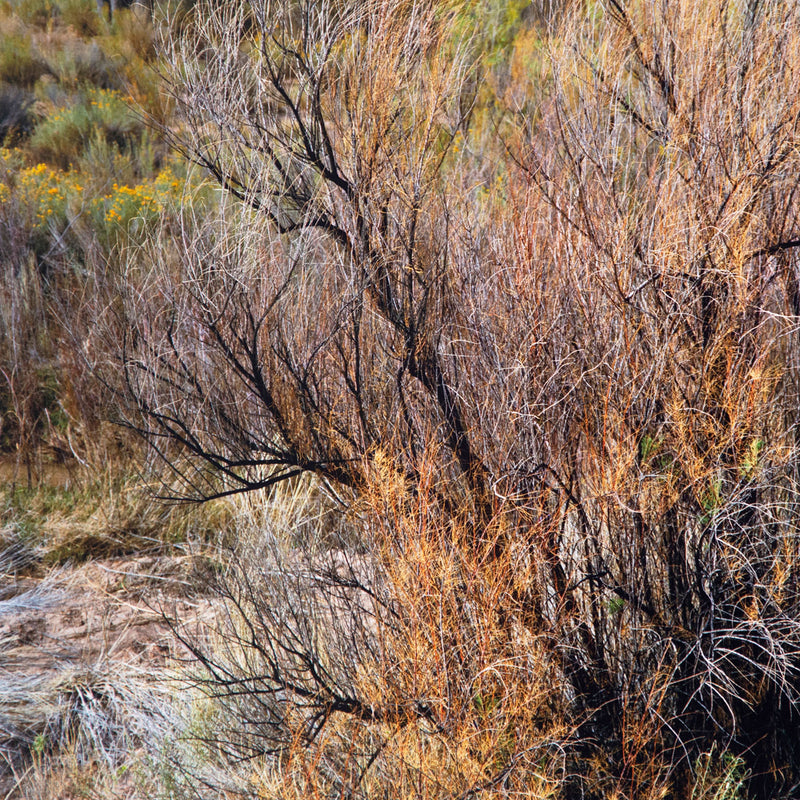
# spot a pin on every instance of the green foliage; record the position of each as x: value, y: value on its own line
x: 20, y: 64
x: 78, y: 65
x: 616, y: 605
x: 28, y: 508
x: 63, y: 136
x: 493, y: 26
x: 647, y: 446
x: 711, y: 500
x: 751, y: 458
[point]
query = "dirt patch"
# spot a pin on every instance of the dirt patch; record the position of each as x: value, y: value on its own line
x: 73, y: 642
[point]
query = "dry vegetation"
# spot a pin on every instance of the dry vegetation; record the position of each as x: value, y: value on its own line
x: 476, y: 329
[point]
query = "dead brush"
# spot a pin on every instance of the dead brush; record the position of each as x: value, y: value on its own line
x: 404, y: 662
x: 562, y: 405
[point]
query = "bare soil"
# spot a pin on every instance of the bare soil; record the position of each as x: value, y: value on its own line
x: 101, y: 617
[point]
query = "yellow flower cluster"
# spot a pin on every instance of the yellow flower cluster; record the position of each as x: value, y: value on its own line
x: 6, y: 164
x: 108, y: 100
x: 47, y: 191
x: 126, y: 203
x: 51, y: 195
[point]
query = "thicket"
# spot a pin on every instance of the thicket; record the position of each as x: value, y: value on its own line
x: 511, y: 300
x: 526, y: 302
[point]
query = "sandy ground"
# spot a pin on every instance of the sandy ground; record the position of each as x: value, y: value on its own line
x: 100, y: 619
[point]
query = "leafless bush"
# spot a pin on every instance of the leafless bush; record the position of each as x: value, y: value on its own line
x: 556, y: 374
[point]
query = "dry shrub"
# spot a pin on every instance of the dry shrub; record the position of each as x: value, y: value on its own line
x: 342, y: 671
x: 553, y: 371
x: 26, y: 382
x: 20, y: 64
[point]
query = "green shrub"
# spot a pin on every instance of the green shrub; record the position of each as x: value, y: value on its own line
x: 106, y: 163
x: 719, y: 776
x: 77, y: 63
x: 20, y: 65
x: 61, y: 138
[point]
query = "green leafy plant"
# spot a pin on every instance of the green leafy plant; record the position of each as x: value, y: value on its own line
x: 63, y: 136
x: 719, y: 776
